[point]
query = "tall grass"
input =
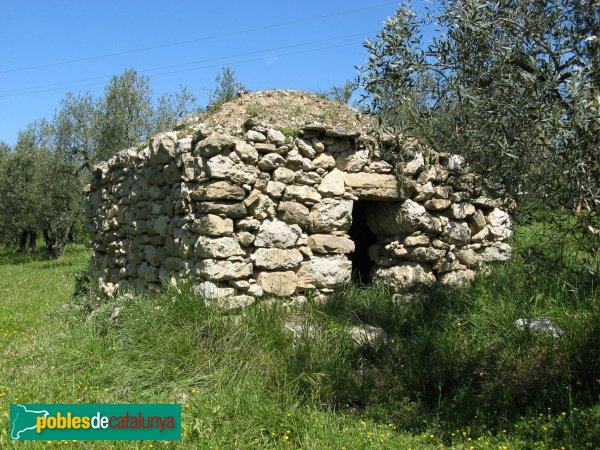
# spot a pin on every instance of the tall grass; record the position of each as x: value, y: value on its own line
x: 456, y: 370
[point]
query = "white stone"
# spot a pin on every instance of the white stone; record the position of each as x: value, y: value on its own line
x: 469, y: 257
x: 213, y: 144
x: 406, y: 277
x: 424, y: 192
x: 305, y: 148
x: 332, y: 184
x: 255, y: 290
x: 246, y: 152
x: 456, y: 233
x: 500, y: 251
x: 284, y: 175
x: 223, y: 168
x: 391, y: 219
x: 219, y: 248
x: 209, y: 290
x: 460, y: 210
x: 412, y: 241
x: 277, y: 234
x: 323, y: 161
x: 456, y: 163
x: 330, y: 215
x: 414, y: 166
x: 372, y: 186
x: 271, y: 161
x: 539, y: 326
x: 275, y: 189
x: 368, y: 336
x: 213, y: 225
x: 499, y: 224
x: 276, y: 137
x: 275, y: 258
x: 255, y: 136
x: 326, y: 243
x: 278, y: 283
x: 352, y: 161
x: 245, y: 238
x: 456, y: 278
x: 302, y: 194
x: 325, y: 272
x: 233, y: 302
x: 219, y: 270
x: 309, y: 178
x: 162, y: 148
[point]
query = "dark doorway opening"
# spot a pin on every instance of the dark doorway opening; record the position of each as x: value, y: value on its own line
x: 363, y: 238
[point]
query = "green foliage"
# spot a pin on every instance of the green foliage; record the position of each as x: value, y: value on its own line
x: 42, y: 178
x: 74, y: 126
x: 341, y: 94
x: 171, y: 107
x: 91, y: 130
x: 39, y: 189
x: 227, y: 86
x: 289, y: 132
x: 254, y: 109
x: 124, y: 113
x: 515, y: 86
x: 4, y: 150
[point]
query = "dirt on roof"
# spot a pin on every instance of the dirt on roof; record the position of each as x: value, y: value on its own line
x: 289, y: 109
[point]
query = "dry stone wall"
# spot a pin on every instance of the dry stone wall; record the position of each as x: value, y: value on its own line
x: 250, y: 211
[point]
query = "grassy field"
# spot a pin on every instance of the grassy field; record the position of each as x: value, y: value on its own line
x: 455, y: 374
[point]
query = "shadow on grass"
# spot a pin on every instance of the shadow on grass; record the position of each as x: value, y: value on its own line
x: 9, y: 256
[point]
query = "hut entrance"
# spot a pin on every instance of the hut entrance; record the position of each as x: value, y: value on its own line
x: 363, y: 238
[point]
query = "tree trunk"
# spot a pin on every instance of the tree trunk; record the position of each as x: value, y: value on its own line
x: 48, y: 240
x: 22, y: 241
x: 33, y: 241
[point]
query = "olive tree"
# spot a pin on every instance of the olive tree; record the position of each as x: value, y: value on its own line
x: 514, y: 85
x: 124, y: 114
x: 42, y: 178
x: 227, y: 85
x: 171, y: 107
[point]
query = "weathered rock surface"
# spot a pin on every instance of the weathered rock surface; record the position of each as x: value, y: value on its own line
x: 278, y: 283
x: 368, y: 336
x: 325, y: 272
x: 212, y: 269
x: 274, y: 258
x: 331, y: 215
x: 277, y: 234
x: 408, y: 276
x: 325, y: 243
x: 539, y: 326
x: 213, y: 225
x: 213, y: 144
x: 372, y: 186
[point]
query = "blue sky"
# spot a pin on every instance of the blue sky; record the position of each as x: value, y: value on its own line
x: 50, y: 47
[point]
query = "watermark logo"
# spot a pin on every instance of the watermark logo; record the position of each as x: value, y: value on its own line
x: 95, y: 422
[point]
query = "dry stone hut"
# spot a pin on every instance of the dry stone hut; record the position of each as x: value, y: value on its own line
x: 283, y: 192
